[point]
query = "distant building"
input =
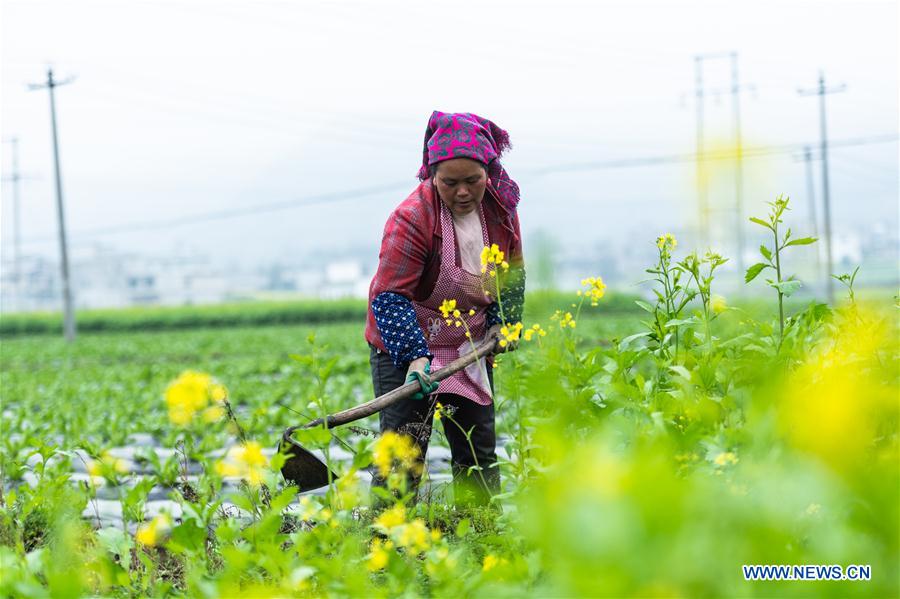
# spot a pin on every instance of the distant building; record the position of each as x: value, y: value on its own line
x: 102, y: 278
x: 106, y: 278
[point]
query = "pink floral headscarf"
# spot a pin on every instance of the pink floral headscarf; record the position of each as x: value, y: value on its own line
x: 467, y: 135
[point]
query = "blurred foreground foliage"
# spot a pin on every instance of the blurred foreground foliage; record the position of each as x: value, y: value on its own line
x: 647, y: 456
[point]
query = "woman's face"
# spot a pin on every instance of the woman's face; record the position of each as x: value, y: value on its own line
x: 460, y: 183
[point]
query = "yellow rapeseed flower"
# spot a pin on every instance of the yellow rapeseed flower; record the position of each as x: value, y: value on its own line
x: 212, y: 414
x: 666, y: 242
x: 535, y: 329
x: 378, y: 555
x: 146, y: 535
x: 492, y: 256
x: 224, y: 468
x: 391, y: 518
x: 565, y: 319
x: 153, y: 533
x: 726, y: 458
x: 309, y: 508
x: 246, y: 461
x: 107, y: 464
x: 218, y: 393
x: 392, y: 447
x: 510, y: 334
x: 834, y: 403
x: 190, y: 393
x: 95, y: 468
x: 447, y: 306
x: 414, y: 536
x: 596, y: 288
x: 717, y: 304
x: 348, y: 490
x: 490, y: 562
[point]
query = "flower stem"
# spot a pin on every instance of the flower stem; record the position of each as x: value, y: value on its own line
x: 780, y: 294
x: 468, y: 437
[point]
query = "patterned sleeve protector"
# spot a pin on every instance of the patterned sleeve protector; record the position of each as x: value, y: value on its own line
x: 399, y: 328
x: 513, y: 300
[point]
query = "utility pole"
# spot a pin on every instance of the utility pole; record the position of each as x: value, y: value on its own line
x: 702, y: 189
x: 702, y: 198
x: 821, y: 91
x: 738, y: 164
x: 68, y: 311
x: 14, y: 178
x: 813, y: 217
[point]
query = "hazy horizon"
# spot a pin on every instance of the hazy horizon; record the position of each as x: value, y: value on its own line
x: 201, y: 108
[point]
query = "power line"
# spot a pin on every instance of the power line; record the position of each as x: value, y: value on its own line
x: 749, y: 152
x: 871, y: 169
x: 877, y: 182
x: 326, y: 198
x: 260, y: 121
x: 354, y: 194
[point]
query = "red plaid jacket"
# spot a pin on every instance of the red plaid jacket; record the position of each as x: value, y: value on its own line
x: 410, y: 257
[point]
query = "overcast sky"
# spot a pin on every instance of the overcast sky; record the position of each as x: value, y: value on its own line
x: 189, y: 108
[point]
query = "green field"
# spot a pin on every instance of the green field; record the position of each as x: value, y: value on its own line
x: 646, y: 451
x: 107, y: 386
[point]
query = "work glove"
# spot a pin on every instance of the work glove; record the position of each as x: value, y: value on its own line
x: 427, y: 386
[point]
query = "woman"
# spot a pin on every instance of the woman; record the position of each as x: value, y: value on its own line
x: 431, y: 252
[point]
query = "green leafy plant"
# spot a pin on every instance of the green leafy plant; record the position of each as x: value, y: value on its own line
x: 785, y: 287
x: 848, y: 279
x: 694, y: 267
x: 671, y: 298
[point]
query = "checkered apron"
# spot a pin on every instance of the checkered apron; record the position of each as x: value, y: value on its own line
x: 448, y: 342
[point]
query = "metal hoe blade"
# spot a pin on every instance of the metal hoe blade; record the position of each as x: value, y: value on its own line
x: 302, y: 468
x: 307, y: 472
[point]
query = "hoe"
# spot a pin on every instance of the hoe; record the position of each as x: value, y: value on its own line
x: 307, y: 472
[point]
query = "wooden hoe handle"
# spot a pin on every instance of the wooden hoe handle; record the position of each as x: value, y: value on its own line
x: 404, y: 392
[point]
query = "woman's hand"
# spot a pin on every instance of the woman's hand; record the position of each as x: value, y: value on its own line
x: 420, y: 371
x: 494, y: 331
